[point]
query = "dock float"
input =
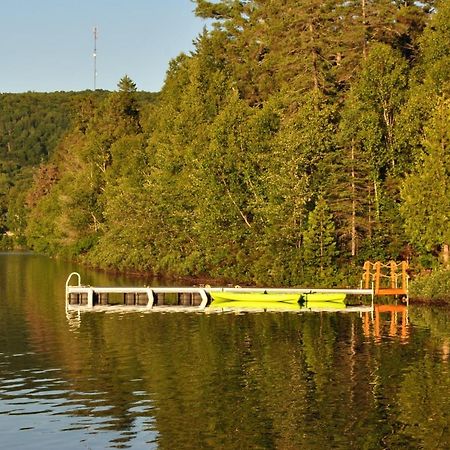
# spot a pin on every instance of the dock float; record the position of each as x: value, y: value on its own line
x: 81, y: 297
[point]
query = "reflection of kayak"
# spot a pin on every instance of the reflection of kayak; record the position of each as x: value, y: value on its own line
x: 319, y: 300
x: 323, y: 297
x: 255, y: 297
x: 323, y: 305
x: 254, y: 304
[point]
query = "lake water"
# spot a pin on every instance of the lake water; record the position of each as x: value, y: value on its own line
x: 213, y: 381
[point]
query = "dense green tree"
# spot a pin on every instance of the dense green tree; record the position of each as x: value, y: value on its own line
x: 426, y: 191
x: 308, y: 44
x: 75, y: 180
x: 30, y: 126
x: 319, y: 242
x: 430, y: 79
x: 366, y: 199
x: 177, y: 148
x: 277, y: 146
x: 435, y: 44
x: 292, y: 173
x: 125, y: 239
x: 63, y: 211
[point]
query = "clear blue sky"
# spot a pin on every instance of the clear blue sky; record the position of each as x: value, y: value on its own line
x: 47, y: 45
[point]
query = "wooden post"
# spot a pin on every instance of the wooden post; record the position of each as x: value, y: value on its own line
x: 366, y: 276
x: 446, y: 255
x: 404, y: 276
x: 377, y: 276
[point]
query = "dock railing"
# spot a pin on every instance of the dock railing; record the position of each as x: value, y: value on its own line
x: 387, y: 279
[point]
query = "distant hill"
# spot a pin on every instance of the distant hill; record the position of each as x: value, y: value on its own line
x: 31, y: 125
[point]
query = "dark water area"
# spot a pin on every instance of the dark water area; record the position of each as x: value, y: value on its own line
x: 213, y: 381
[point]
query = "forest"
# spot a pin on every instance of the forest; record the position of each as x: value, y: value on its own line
x: 299, y: 139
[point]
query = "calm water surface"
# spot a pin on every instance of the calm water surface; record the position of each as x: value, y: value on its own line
x: 219, y: 381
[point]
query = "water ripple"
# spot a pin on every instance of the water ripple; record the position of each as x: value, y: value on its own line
x: 215, y: 381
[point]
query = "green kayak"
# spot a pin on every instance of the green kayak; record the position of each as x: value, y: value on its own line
x: 255, y: 300
x: 286, y: 301
x: 255, y: 297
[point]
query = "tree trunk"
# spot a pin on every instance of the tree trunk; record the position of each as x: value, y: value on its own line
x: 353, y: 231
x: 369, y: 212
x: 314, y: 59
x: 446, y: 255
x: 364, y: 22
x: 376, y: 200
x: 321, y: 247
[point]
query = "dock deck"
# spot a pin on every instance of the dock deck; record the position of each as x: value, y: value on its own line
x: 183, y: 299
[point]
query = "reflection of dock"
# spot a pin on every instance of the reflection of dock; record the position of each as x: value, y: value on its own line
x: 80, y: 297
x: 395, y: 324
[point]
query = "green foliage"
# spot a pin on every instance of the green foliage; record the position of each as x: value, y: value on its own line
x: 31, y: 127
x: 32, y: 124
x: 436, y: 49
x: 378, y: 96
x: 426, y: 191
x: 432, y: 286
x: 281, y: 151
x: 319, y: 243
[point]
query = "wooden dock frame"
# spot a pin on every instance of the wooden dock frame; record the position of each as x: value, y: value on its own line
x: 389, y: 279
x: 88, y: 296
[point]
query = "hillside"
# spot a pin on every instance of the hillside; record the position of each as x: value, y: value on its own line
x: 31, y: 126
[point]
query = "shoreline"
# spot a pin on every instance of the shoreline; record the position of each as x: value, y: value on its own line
x: 418, y: 297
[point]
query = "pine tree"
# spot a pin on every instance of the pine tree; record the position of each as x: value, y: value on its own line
x: 435, y: 45
x: 319, y: 241
x: 426, y: 191
x: 370, y: 151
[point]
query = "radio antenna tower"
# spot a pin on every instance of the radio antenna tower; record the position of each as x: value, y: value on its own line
x: 95, y: 57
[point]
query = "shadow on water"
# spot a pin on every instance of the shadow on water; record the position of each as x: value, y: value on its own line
x: 188, y: 380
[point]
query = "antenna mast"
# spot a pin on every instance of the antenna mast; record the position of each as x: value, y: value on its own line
x: 95, y: 57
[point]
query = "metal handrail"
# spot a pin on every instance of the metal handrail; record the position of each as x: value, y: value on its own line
x: 68, y: 279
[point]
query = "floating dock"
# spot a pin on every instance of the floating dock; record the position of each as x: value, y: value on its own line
x: 186, y: 299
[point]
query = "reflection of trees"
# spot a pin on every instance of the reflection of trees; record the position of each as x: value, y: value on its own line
x: 437, y: 320
x: 236, y: 381
x: 424, y: 391
x: 425, y: 411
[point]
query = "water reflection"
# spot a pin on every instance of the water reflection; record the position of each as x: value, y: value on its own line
x: 273, y: 380
x: 387, y: 320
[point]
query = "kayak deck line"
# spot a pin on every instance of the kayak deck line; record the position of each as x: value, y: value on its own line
x: 80, y: 297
